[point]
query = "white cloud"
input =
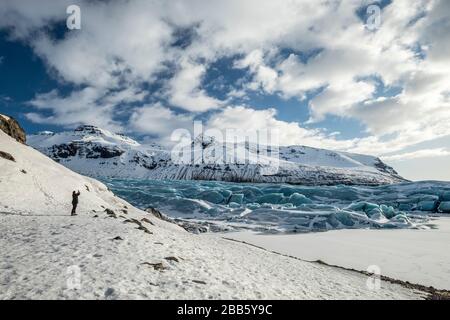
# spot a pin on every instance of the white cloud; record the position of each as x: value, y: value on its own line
x: 184, y: 89
x: 425, y: 153
x: 89, y: 105
x: 338, y: 98
x: 250, y: 121
x: 159, y: 121
x: 124, y: 45
x: 24, y: 17
x: 292, y: 133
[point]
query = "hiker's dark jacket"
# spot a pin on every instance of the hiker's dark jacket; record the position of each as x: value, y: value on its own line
x: 75, y: 196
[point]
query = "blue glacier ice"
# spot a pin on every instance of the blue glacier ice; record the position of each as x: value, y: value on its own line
x: 444, y: 207
x: 290, y: 208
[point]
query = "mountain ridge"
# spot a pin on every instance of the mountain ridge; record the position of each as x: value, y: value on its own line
x: 99, y: 153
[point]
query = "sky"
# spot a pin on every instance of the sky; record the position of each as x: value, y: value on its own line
x: 330, y: 74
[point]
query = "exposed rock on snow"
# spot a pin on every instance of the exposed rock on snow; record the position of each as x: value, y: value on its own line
x: 7, y: 156
x: 99, y: 153
x: 12, y: 128
x: 47, y: 254
x: 158, y: 214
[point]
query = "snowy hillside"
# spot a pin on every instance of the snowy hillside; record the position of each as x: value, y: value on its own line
x: 96, y: 152
x: 33, y: 184
x: 125, y: 253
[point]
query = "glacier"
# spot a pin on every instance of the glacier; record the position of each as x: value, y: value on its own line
x: 283, y: 208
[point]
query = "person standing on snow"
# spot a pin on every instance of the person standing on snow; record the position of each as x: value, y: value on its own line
x: 75, y: 196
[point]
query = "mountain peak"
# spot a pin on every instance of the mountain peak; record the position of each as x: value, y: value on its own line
x: 97, y: 152
x: 89, y: 129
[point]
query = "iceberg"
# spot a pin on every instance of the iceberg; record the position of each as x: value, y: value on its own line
x: 445, y: 196
x: 444, y: 207
x: 212, y: 196
x: 298, y: 199
x: 428, y: 205
x: 237, y: 198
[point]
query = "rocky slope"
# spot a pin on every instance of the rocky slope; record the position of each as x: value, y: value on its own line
x: 12, y: 128
x: 96, y: 152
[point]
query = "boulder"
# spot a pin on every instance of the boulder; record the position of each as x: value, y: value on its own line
x: 12, y: 128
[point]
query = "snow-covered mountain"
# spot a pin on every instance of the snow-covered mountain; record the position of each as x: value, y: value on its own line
x: 99, y: 153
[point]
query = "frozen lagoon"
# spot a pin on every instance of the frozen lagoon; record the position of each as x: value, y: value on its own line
x: 284, y: 208
x: 418, y: 256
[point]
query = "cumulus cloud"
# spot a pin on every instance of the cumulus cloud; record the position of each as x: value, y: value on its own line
x: 250, y: 121
x: 321, y: 53
x: 185, y: 89
x: 159, y: 121
x: 88, y: 105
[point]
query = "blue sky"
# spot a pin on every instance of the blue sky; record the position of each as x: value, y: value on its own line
x: 323, y: 74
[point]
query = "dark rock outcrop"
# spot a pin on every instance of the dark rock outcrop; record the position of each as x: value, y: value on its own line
x: 189, y: 226
x: 12, y: 128
x: 7, y: 156
x: 157, y: 214
x: 85, y: 149
x: 63, y: 151
x: 157, y: 266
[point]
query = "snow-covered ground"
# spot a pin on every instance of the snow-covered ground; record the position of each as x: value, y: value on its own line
x: 41, y: 258
x: 45, y: 253
x: 99, y: 153
x: 418, y: 256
